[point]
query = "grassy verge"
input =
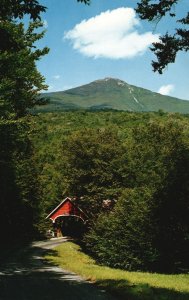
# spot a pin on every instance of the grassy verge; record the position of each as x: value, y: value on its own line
x: 126, y: 285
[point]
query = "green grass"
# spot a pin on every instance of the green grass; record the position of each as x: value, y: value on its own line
x: 126, y: 285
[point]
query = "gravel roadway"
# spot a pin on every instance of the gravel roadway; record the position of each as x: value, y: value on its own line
x: 29, y: 277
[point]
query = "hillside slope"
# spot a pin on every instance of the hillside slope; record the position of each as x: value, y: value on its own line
x: 110, y: 93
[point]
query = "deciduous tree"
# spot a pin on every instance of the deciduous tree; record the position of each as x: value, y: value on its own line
x: 148, y: 228
x: 20, y: 81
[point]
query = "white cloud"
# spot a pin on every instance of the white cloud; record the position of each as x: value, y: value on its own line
x: 45, y: 24
x: 112, y: 34
x: 56, y: 77
x: 166, y: 89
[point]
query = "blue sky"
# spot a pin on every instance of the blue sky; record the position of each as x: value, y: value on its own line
x: 107, y: 39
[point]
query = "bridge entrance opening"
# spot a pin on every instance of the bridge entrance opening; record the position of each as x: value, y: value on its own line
x: 70, y: 226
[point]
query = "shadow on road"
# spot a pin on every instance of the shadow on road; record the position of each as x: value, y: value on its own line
x: 29, y: 277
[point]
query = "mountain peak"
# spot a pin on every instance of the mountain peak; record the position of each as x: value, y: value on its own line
x: 116, y: 94
x: 110, y: 79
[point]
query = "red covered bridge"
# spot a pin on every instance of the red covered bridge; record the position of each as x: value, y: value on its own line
x: 67, y: 208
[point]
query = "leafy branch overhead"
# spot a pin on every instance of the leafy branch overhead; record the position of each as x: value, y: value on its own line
x: 11, y: 9
x: 169, y: 43
x: 20, y: 80
x: 84, y: 1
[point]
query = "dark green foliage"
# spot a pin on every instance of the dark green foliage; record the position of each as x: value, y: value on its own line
x: 92, y: 155
x: 20, y: 83
x: 147, y: 9
x: 172, y: 238
x: 148, y: 229
x: 18, y: 183
x: 20, y: 80
x: 168, y: 44
x: 152, y: 152
x: 124, y: 238
x: 91, y: 167
x: 11, y: 9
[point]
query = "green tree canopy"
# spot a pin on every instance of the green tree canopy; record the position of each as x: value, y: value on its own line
x: 148, y: 227
x: 20, y: 81
x: 91, y: 166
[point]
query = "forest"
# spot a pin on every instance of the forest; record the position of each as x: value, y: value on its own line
x: 140, y: 162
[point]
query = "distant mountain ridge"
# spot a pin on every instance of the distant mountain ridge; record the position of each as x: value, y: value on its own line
x: 111, y: 93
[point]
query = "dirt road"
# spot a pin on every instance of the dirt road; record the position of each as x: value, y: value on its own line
x: 29, y: 277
